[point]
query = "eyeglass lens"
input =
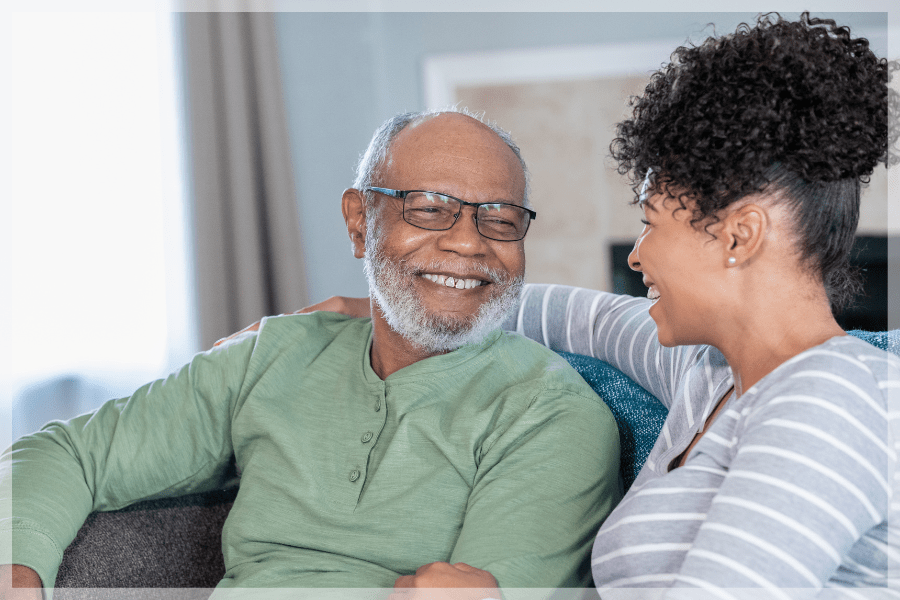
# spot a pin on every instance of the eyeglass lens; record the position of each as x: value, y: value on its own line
x: 504, y: 222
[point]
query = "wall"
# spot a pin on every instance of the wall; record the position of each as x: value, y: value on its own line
x: 344, y: 73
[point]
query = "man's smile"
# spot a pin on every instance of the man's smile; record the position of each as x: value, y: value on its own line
x: 458, y: 282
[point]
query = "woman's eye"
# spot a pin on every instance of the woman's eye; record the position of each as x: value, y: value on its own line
x: 645, y: 221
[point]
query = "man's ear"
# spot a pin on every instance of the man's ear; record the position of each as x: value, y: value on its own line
x: 743, y: 231
x: 353, y: 205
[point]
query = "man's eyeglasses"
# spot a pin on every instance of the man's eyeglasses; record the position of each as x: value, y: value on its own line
x: 438, y: 212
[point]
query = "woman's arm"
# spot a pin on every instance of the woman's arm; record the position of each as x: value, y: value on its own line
x: 614, y: 328
x: 352, y: 307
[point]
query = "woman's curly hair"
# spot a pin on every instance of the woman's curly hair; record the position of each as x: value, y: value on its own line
x: 798, y: 107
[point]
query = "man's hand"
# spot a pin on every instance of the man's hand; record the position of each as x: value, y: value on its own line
x: 19, y: 583
x: 352, y: 307
x: 456, y: 582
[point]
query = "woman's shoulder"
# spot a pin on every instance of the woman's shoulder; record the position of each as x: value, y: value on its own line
x: 842, y: 371
x: 851, y: 357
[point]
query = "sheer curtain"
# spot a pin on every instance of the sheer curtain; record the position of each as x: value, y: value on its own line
x: 248, y: 256
x: 100, y: 255
x: 95, y: 228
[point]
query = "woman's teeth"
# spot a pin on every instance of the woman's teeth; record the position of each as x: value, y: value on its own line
x: 652, y: 293
x: 460, y: 284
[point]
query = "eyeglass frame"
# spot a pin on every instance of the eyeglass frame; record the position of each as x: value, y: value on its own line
x: 402, y: 194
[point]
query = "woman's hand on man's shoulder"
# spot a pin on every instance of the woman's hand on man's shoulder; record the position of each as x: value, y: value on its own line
x: 352, y: 307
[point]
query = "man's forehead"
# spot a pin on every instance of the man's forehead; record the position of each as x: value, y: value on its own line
x: 454, y: 143
x: 446, y: 128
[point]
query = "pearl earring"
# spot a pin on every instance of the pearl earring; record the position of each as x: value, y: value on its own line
x: 732, y: 260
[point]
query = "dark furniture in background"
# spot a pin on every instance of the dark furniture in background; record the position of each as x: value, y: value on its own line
x: 871, y: 254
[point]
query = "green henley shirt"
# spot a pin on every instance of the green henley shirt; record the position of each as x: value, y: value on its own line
x: 498, y: 455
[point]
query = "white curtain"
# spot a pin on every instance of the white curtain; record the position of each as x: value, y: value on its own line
x: 248, y: 255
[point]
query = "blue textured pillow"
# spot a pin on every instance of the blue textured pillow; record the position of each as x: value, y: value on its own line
x: 639, y: 415
x: 886, y: 340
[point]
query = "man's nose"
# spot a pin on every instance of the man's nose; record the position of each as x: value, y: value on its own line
x: 463, y: 238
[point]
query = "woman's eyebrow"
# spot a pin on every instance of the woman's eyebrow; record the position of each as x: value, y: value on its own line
x: 644, y: 203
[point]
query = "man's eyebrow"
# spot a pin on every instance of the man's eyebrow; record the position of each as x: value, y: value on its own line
x: 500, y: 200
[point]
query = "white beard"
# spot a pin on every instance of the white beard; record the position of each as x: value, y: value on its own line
x: 392, y: 285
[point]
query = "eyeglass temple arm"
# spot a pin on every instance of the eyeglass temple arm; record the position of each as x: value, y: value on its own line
x: 387, y: 192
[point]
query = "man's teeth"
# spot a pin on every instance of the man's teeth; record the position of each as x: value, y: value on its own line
x: 460, y: 284
x: 653, y: 294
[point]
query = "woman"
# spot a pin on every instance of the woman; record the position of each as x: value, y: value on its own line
x: 774, y: 468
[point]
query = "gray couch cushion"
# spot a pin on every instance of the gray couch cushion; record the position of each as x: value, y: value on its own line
x: 174, y: 542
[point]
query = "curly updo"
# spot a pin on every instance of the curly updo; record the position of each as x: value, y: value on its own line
x: 795, y: 108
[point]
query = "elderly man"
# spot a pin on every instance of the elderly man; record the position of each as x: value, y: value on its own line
x: 366, y: 448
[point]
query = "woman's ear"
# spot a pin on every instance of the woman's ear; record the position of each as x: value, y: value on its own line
x: 353, y: 205
x: 743, y: 230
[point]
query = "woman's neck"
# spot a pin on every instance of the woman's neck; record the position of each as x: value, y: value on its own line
x: 763, y: 338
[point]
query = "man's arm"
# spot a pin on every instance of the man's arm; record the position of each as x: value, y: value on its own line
x: 170, y: 438
x: 541, y: 492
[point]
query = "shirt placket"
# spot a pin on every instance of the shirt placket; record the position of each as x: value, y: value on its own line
x: 369, y: 430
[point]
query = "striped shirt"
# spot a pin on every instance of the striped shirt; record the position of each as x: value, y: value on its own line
x: 791, y: 485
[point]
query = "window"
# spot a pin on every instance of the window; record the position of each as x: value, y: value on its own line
x: 95, y: 256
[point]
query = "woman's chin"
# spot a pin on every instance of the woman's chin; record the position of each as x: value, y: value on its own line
x: 662, y: 332
x: 665, y: 340
x: 667, y: 337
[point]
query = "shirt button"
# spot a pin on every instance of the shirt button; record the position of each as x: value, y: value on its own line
x: 366, y: 437
x: 354, y: 475
x: 377, y: 405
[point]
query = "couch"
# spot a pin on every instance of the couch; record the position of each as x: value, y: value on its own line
x: 175, y: 543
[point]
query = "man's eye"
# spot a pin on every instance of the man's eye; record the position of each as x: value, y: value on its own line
x: 497, y: 222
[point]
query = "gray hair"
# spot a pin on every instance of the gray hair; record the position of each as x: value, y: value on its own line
x: 376, y: 153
